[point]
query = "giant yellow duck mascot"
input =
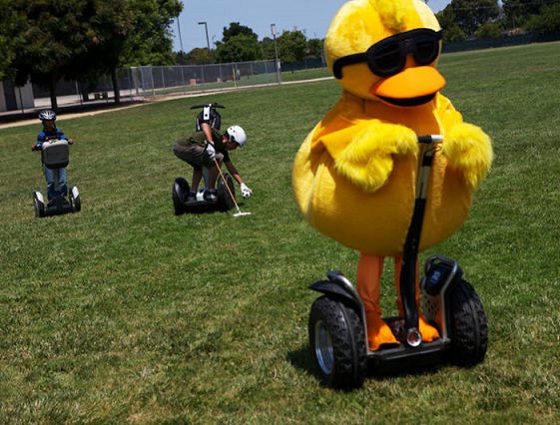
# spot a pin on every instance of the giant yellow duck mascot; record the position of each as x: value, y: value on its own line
x: 354, y: 176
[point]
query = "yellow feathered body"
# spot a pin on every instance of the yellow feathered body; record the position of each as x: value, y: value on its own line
x: 354, y: 176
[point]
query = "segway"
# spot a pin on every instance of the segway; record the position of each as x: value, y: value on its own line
x: 181, y: 189
x: 337, y: 321
x: 183, y: 204
x: 56, y: 155
x: 209, y: 115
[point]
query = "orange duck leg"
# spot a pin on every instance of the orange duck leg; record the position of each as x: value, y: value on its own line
x: 428, y: 332
x: 370, y: 268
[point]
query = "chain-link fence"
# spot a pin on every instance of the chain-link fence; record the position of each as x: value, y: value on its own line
x: 149, y: 81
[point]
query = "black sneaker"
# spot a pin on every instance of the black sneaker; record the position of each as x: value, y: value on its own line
x: 191, y: 197
x: 210, y: 195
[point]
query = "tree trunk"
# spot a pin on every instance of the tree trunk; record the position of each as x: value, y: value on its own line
x: 116, y: 90
x: 52, y: 92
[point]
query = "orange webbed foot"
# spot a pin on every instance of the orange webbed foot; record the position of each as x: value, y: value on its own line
x: 428, y: 332
x: 379, y: 334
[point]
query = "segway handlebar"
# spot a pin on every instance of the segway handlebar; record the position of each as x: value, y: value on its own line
x: 430, y: 138
x: 211, y: 105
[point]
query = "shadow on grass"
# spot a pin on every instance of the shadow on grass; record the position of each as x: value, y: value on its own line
x: 302, y: 359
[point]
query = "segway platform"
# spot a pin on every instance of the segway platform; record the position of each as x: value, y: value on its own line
x: 338, y: 331
x: 59, y: 206
x: 182, y: 204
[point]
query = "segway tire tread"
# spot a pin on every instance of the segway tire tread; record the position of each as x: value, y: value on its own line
x: 179, y: 192
x: 349, y: 353
x: 225, y: 203
x: 469, y: 330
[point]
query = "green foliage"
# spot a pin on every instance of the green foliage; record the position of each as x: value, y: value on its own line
x: 83, y: 39
x: 489, y: 30
x: 471, y: 14
x: 126, y: 313
x: 238, y: 48
x: 292, y: 46
x: 522, y: 10
x: 150, y: 43
x: 53, y: 38
x: 195, y: 56
x: 239, y: 44
x: 451, y: 31
x: 314, y: 48
x: 267, y: 45
x: 548, y: 21
x: 10, y: 21
x: 236, y: 29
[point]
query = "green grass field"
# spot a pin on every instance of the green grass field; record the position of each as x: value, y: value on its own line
x: 127, y: 313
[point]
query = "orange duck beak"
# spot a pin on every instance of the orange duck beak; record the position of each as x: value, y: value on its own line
x: 413, y: 86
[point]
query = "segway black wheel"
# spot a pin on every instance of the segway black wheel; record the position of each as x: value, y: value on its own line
x: 469, y: 331
x: 225, y: 201
x: 40, y: 210
x: 338, y: 344
x: 180, y: 191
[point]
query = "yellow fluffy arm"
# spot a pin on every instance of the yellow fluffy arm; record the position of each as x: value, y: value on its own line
x: 469, y: 150
x: 367, y: 161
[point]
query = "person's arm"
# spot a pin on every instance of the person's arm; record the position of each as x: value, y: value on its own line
x: 207, y: 130
x: 62, y: 136
x: 37, y: 145
x: 245, y: 191
x: 210, y: 150
x: 233, y: 171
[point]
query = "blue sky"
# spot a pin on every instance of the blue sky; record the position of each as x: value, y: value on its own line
x: 313, y: 17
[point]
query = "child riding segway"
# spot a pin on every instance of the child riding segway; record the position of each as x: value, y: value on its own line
x: 205, y: 150
x: 55, y: 155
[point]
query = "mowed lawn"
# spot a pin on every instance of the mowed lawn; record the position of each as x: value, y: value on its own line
x: 126, y: 313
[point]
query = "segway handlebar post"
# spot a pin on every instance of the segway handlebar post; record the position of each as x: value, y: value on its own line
x: 410, y: 251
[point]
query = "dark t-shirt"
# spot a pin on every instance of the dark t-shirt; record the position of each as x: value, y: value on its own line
x: 199, y: 139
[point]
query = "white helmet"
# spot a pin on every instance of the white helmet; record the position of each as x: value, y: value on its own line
x: 237, y: 134
x: 47, y: 115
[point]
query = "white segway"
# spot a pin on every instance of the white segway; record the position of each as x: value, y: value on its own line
x: 56, y: 155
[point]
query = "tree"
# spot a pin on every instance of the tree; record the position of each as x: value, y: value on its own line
x: 239, y: 48
x: 471, y: 14
x: 151, y: 41
x: 315, y: 48
x: 236, y: 29
x: 54, y: 36
x: 489, y: 30
x: 451, y: 31
x: 239, y: 44
x: 10, y: 21
x: 82, y: 39
x: 292, y: 46
x: 194, y: 57
x: 520, y: 11
x: 267, y: 46
x: 548, y: 21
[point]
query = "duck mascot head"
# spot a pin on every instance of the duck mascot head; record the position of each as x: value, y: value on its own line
x: 354, y: 176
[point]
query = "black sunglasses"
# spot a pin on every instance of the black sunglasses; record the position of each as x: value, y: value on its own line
x: 388, y: 56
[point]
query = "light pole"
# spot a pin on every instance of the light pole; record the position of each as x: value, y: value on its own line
x: 276, y: 61
x: 179, y: 34
x: 207, y: 39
